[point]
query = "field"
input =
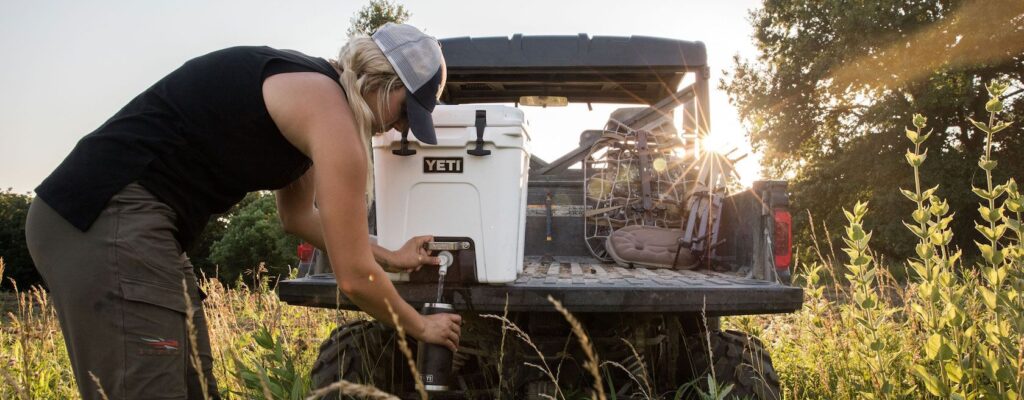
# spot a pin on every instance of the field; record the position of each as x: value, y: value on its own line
x: 952, y: 330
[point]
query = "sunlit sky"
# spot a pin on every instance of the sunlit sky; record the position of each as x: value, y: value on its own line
x: 67, y: 66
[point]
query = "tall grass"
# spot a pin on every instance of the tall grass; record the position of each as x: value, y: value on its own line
x: 252, y: 334
x: 954, y: 331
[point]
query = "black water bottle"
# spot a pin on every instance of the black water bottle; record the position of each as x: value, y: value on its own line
x: 435, y: 361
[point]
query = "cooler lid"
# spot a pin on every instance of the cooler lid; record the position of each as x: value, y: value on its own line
x: 465, y: 115
x: 452, y: 122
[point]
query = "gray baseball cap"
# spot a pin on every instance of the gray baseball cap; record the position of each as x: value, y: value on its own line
x: 418, y: 61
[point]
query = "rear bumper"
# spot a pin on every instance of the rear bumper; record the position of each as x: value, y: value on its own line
x: 584, y: 288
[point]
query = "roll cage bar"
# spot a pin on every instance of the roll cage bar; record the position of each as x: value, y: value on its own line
x: 600, y: 69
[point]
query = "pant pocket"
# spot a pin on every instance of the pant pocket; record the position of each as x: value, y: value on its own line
x: 155, y: 340
x: 147, y: 251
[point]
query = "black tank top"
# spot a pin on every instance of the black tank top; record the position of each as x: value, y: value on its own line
x: 199, y: 140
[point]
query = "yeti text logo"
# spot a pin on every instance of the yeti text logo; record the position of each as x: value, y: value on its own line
x: 442, y: 165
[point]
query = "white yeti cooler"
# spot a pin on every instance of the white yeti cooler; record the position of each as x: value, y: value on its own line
x: 444, y: 191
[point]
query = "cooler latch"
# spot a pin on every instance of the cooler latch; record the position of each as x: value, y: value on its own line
x: 481, y: 123
x: 404, y: 150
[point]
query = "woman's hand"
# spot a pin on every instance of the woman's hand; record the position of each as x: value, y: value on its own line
x: 411, y: 256
x: 441, y: 329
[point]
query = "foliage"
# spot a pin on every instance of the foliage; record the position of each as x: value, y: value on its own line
x: 824, y: 98
x: 273, y: 371
x: 253, y: 236
x: 13, y: 210
x: 199, y: 254
x: 375, y: 14
x: 954, y: 332
x: 716, y: 391
x: 875, y: 374
x: 251, y: 332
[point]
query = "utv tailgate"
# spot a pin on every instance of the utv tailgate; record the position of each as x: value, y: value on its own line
x: 582, y: 285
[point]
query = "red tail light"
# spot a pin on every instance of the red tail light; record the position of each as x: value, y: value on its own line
x: 783, y: 239
x: 305, y: 252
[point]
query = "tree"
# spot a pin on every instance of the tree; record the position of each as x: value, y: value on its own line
x: 14, y: 251
x: 835, y: 84
x: 252, y: 234
x: 375, y: 15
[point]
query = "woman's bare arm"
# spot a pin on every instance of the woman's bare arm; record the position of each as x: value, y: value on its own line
x: 311, y: 112
x: 299, y: 217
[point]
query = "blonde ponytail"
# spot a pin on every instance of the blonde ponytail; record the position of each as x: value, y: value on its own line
x: 364, y: 69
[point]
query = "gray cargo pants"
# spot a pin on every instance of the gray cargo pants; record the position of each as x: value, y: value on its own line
x: 117, y: 289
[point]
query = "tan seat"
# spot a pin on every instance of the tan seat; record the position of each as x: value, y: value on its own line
x: 649, y: 246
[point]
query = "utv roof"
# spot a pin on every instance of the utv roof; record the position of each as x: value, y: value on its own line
x: 602, y: 69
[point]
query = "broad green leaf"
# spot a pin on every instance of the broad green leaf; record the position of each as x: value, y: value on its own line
x: 855, y: 232
x: 1015, y: 205
x: 999, y: 232
x: 849, y: 216
x: 986, y: 252
x: 1000, y: 126
x: 919, y: 268
x: 931, y: 383
x: 916, y: 230
x: 980, y: 125
x: 915, y: 160
x: 996, y: 275
x: 996, y: 88
x: 989, y: 364
x: 868, y: 303
x: 921, y: 215
x: 985, y: 213
x: 994, y: 105
x: 264, y: 339
x: 986, y: 232
x: 861, y: 208
x: 919, y: 309
x: 954, y: 371
x: 924, y: 251
x: 998, y: 191
x: 988, y: 296
x: 919, y: 121
x: 912, y: 135
x: 936, y: 348
x: 910, y: 195
x: 944, y: 222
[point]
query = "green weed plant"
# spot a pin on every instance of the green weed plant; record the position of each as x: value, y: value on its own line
x: 954, y: 331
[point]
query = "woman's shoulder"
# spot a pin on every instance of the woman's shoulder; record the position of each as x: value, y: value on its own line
x: 257, y: 53
x: 247, y: 52
x: 300, y: 103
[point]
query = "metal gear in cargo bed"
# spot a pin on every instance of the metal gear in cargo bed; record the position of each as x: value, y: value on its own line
x: 633, y: 177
